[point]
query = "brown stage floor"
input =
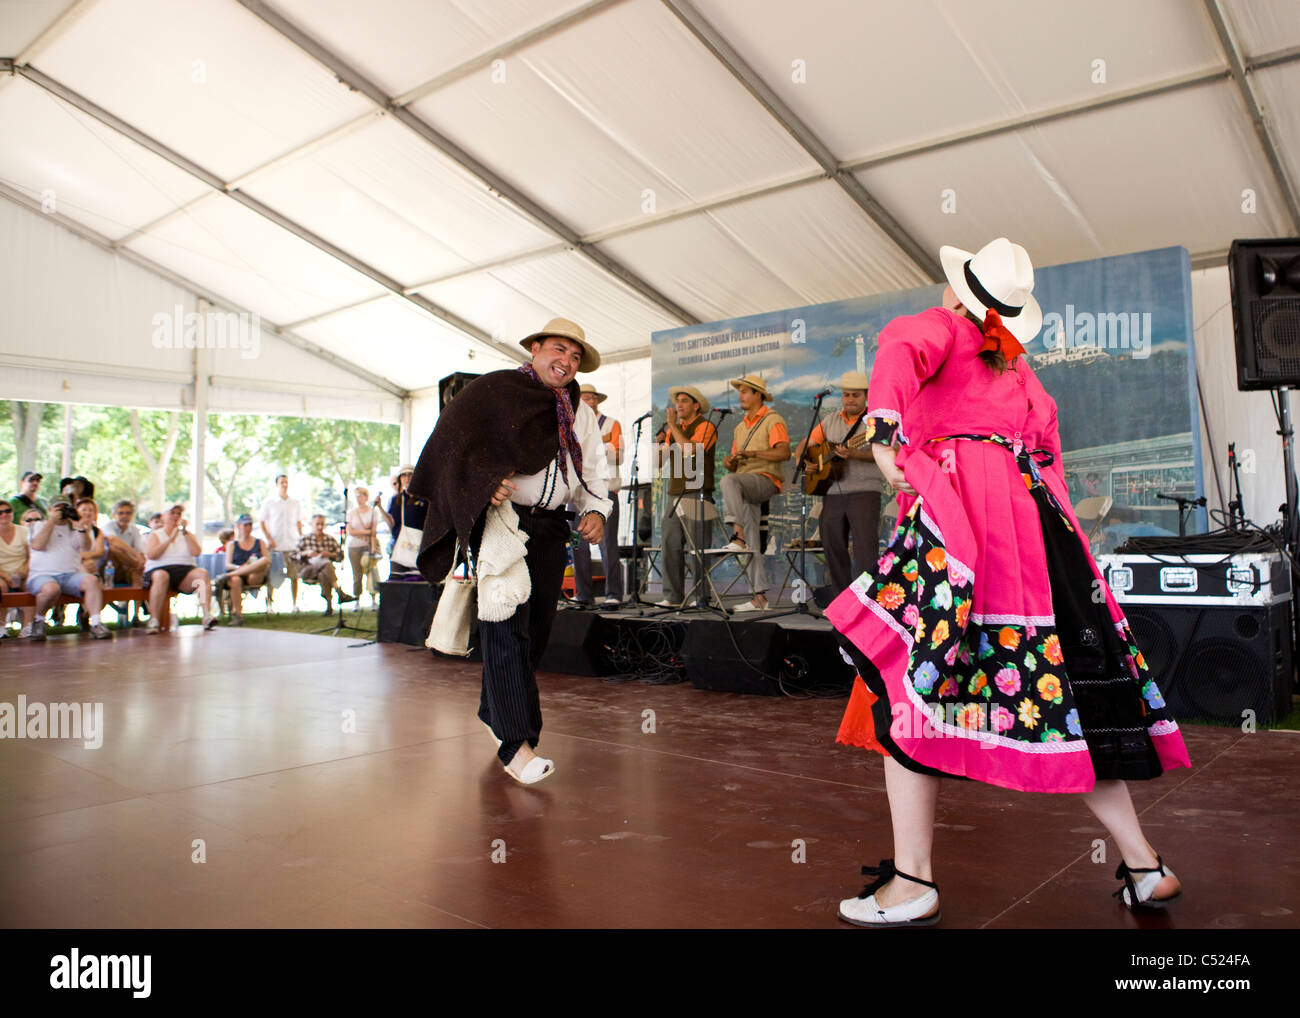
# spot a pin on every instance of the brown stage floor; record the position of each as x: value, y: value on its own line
x: 236, y: 738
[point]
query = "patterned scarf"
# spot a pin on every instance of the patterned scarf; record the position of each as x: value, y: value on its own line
x: 568, y: 440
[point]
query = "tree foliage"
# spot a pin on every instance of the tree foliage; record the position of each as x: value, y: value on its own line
x: 243, y: 454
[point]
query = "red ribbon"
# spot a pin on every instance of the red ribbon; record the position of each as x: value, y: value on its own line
x: 998, y: 337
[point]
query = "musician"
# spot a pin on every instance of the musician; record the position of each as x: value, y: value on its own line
x: 689, y: 469
x: 759, y: 445
x: 852, y: 505
x: 611, y: 434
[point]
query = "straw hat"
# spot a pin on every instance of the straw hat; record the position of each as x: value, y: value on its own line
x: 755, y: 382
x: 566, y: 329
x: 600, y: 396
x: 854, y: 380
x: 999, y: 277
x: 694, y: 393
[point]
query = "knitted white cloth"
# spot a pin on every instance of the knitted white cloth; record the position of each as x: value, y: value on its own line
x: 503, y: 583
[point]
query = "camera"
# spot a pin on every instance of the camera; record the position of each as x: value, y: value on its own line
x: 66, y: 511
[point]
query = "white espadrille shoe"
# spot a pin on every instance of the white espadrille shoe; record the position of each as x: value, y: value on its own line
x: 1137, y: 893
x: 865, y: 911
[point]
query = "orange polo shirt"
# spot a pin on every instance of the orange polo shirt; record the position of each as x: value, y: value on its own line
x: 818, y: 435
x: 763, y: 429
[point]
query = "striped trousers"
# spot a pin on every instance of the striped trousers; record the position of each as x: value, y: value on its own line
x: 509, y: 704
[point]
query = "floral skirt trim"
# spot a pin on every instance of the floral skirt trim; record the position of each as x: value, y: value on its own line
x: 985, y: 700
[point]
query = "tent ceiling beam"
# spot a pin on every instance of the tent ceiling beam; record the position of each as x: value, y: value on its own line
x: 29, y: 362
x: 508, y: 48
x: 1263, y: 132
x: 495, y: 183
x: 83, y: 104
x: 240, y: 181
x: 723, y: 51
x: 1210, y: 259
x: 54, y: 29
x: 1175, y: 84
x: 455, y: 74
x: 102, y: 242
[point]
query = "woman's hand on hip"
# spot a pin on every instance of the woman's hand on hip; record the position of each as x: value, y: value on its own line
x: 885, y: 456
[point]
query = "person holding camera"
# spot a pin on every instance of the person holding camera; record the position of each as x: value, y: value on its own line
x: 57, y: 546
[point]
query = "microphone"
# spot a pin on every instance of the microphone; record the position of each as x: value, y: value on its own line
x: 722, y: 411
x: 825, y: 392
x: 648, y: 413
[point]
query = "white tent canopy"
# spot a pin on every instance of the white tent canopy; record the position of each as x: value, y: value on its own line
x: 402, y: 188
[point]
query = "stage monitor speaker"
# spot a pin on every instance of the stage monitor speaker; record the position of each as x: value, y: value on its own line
x: 1214, y: 663
x: 451, y: 385
x: 580, y: 644
x: 406, y: 612
x: 810, y: 660
x: 1264, y: 277
x: 734, y: 657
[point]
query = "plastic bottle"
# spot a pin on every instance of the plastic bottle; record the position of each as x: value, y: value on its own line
x: 109, y: 573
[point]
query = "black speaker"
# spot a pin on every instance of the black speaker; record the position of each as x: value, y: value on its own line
x: 1212, y: 663
x: 580, y: 644
x: 732, y: 657
x: 1264, y: 276
x: 811, y: 659
x: 406, y: 612
x: 448, y: 387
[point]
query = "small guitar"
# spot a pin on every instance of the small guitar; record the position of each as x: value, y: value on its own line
x: 824, y: 468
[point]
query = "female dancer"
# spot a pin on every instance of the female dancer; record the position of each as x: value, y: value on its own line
x: 984, y: 644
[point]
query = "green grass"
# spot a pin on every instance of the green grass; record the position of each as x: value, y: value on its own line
x: 364, y: 624
x: 366, y: 621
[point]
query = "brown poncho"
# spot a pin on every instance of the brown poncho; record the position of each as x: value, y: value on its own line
x: 501, y: 423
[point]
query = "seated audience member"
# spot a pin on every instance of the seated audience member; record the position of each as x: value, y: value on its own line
x: 247, y: 561
x: 31, y: 518
x: 57, y: 546
x: 13, y: 562
x: 317, y: 553
x: 93, y: 559
x: 224, y: 537
x: 169, y: 568
x: 125, y: 550
x: 125, y: 545
x: 26, y: 497
x: 155, y: 521
x: 363, y: 539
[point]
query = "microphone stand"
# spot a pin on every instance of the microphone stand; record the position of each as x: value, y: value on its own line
x: 1236, y: 513
x: 637, y: 494
x: 341, y: 624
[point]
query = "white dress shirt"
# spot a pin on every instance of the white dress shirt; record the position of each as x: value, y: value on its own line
x: 281, y: 517
x: 548, y: 490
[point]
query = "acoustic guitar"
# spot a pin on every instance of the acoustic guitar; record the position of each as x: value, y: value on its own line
x: 824, y: 467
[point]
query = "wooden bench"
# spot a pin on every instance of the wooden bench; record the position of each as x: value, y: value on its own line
x: 111, y: 595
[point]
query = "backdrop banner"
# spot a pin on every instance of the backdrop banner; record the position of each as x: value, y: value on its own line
x: 1115, y: 351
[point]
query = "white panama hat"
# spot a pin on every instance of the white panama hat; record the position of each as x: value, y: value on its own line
x: 999, y: 277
